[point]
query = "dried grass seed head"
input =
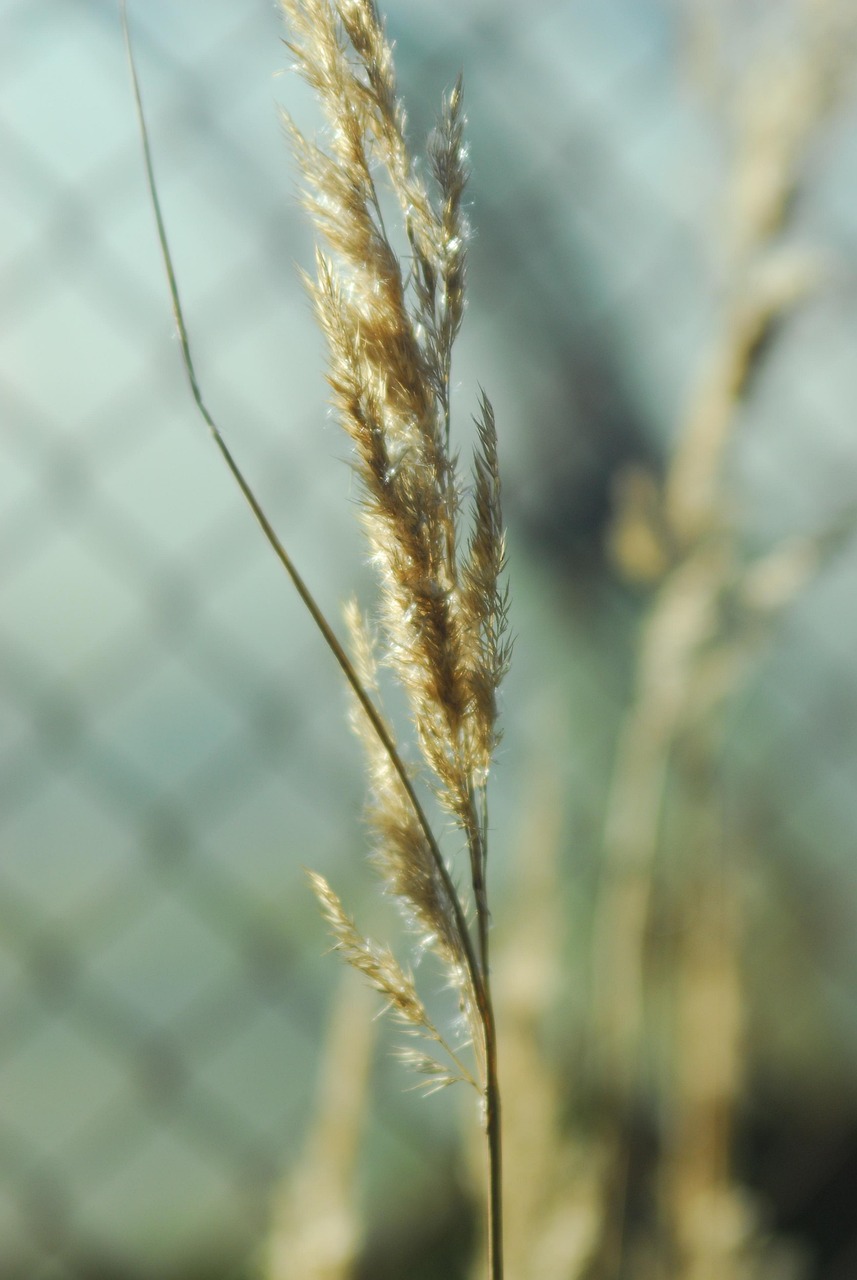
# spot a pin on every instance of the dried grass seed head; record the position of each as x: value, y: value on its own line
x: 389, y: 367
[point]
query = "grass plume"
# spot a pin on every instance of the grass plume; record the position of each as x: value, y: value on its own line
x: 390, y: 324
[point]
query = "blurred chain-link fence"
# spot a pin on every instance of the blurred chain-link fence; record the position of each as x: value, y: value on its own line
x: 171, y: 749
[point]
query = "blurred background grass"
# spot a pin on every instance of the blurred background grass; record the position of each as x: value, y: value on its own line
x: 171, y: 740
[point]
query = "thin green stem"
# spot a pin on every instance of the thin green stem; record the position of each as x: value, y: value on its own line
x: 477, y: 838
x: 494, y: 1137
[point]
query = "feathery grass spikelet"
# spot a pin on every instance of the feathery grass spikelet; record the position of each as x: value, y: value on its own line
x: 401, y: 852
x: 390, y: 324
x: 377, y: 963
x: 390, y: 332
x: 380, y: 966
x: 390, y: 341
